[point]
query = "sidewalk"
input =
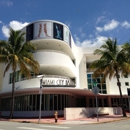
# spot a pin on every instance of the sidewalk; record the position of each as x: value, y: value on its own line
x: 61, y: 120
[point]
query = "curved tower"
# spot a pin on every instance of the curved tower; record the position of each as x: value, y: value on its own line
x: 57, y: 65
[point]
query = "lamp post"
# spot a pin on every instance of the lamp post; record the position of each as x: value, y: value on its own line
x: 40, y: 77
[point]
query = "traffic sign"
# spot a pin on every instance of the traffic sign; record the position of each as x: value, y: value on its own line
x: 95, y: 90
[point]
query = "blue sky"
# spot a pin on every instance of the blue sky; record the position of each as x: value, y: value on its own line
x: 90, y: 21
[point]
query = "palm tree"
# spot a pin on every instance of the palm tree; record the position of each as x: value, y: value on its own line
x: 126, y: 50
x: 17, y: 55
x: 112, y: 61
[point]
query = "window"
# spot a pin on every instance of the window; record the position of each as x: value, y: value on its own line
x: 89, y: 86
x: 33, y: 75
x: 19, y: 76
x: 22, y: 77
x: 89, y: 81
x: 101, y: 86
x: 126, y: 76
x: 88, y: 67
x: 126, y: 83
x: 16, y: 77
x: 11, y: 78
x: 89, y: 75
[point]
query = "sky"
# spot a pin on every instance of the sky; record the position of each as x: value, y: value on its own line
x: 90, y: 22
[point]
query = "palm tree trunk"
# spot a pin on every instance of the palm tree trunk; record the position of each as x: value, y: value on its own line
x: 121, y: 97
x: 13, y: 86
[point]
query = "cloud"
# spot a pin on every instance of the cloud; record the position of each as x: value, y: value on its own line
x: 90, y: 36
x: 16, y: 25
x: 112, y: 25
x: 83, y: 34
x: 80, y: 29
x: 100, y: 19
x: 9, y: 3
x: 95, y: 42
x: 109, y: 26
x: 5, y: 31
x: 0, y: 21
x: 99, y: 29
x: 6, y: 2
x: 126, y: 24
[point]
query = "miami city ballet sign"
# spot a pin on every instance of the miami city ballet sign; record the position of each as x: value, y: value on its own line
x: 56, y: 82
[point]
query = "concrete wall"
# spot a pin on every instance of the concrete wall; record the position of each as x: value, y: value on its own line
x: 74, y: 113
x: 114, y: 88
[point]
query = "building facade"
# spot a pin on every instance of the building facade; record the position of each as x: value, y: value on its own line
x: 67, y: 79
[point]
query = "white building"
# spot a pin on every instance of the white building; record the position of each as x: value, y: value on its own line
x: 67, y: 81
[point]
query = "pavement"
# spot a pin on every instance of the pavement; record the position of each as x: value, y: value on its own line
x: 61, y: 120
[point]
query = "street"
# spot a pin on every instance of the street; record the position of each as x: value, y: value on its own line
x: 120, y: 125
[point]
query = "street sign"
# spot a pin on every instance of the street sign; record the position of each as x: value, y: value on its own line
x: 95, y: 90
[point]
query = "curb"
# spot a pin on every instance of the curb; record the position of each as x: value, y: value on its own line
x: 126, y: 118
x: 35, y: 122
x: 64, y: 123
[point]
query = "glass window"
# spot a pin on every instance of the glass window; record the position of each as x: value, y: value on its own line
x: 59, y: 102
x: 104, y: 92
x: 62, y: 102
x: 47, y: 96
x: 104, y: 86
x: 100, y: 91
x: 89, y: 75
x: 11, y: 78
x: 17, y: 76
x: 101, y: 86
x: 125, y: 76
x: 126, y: 83
x: 101, y: 75
x: 22, y: 76
x: 89, y: 80
x: 55, y: 101
x: 30, y: 102
x: 89, y: 86
x: 43, y: 102
x: 51, y: 102
x: 98, y: 80
x: 65, y: 101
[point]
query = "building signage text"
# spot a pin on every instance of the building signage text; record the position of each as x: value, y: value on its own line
x: 56, y: 81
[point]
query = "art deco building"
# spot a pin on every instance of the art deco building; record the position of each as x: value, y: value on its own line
x: 67, y: 80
